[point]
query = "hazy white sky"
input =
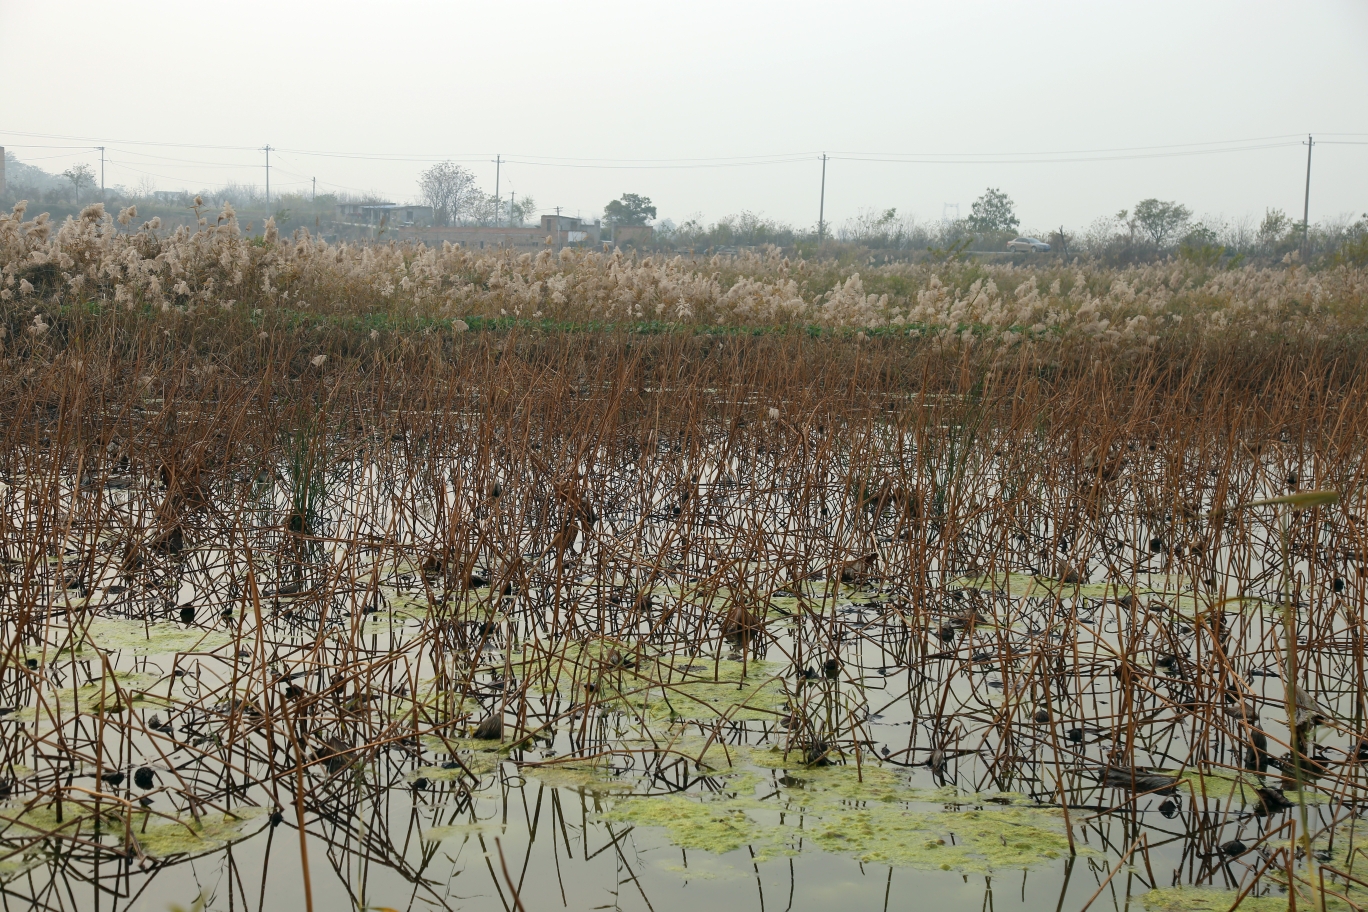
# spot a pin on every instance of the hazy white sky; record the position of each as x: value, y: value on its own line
x: 609, y: 83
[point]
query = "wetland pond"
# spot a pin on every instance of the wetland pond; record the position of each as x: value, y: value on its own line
x: 677, y: 679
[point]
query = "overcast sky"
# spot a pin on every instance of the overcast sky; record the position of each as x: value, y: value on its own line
x: 558, y: 87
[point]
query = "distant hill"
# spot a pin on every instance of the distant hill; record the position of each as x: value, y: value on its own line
x: 19, y: 175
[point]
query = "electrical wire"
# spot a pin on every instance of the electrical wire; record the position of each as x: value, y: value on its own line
x: 118, y: 151
x: 1059, y: 160
x: 1116, y: 153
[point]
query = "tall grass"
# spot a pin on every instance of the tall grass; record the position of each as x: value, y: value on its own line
x: 97, y: 262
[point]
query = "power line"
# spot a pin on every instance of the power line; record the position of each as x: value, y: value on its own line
x: 267, y: 150
x: 190, y: 161
x: 34, y: 158
x: 821, y: 208
x: 1151, y: 148
x: 125, y: 142
x: 1059, y: 158
x: 664, y: 167
x: 1117, y: 153
x: 15, y: 145
x: 1306, y: 205
x: 113, y: 162
x: 1072, y: 156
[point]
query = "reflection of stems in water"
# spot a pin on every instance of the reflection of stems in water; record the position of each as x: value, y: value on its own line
x: 1120, y: 863
x: 307, y: 491
x: 1290, y: 692
x: 503, y: 863
x: 1300, y: 501
x: 299, y: 810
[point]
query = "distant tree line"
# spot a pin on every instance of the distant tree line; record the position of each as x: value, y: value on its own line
x: 1151, y: 229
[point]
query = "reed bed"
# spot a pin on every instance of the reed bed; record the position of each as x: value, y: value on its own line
x: 106, y: 262
x: 286, y: 552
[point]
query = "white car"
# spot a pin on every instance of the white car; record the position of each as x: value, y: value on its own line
x: 1030, y: 245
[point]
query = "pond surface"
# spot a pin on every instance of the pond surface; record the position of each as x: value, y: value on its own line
x: 684, y: 678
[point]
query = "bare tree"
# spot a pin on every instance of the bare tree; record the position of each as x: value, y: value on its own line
x: 79, y: 175
x: 487, y: 209
x: 449, y: 189
x: 483, y: 209
x: 1240, y: 233
x: 522, y: 209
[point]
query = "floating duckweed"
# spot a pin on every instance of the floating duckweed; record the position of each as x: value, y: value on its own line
x: 711, y: 755
x: 868, y: 781
x: 156, y: 835
x: 404, y: 606
x: 707, y: 826
x: 1176, y: 591
x: 1019, y: 585
x: 867, y: 814
x: 1202, y: 899
x: 1220, y: 784
x: 16, y: 865
x: 210, y: 832
x: 110, y: 635
x: 480, y: 757
x: 758, y: 696
x: 781, y: 605
x: 579, y: 777
x: 699, y: 688
x: 964, y: 840
x: 417, y: 606
x: 100, y: 696
x: 1342, y: 844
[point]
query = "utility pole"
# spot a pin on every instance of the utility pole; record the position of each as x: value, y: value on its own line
x: 267, y: 150
x: 315, y: 190
x: 821, y: 208
x: 1306, y: 204
x: 102, y: 190
x: 498, y: 165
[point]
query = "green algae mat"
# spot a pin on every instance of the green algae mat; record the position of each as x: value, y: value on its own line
x: 775, y: 806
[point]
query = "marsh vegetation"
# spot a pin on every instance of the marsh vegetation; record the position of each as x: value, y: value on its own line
x: 395, y: 577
